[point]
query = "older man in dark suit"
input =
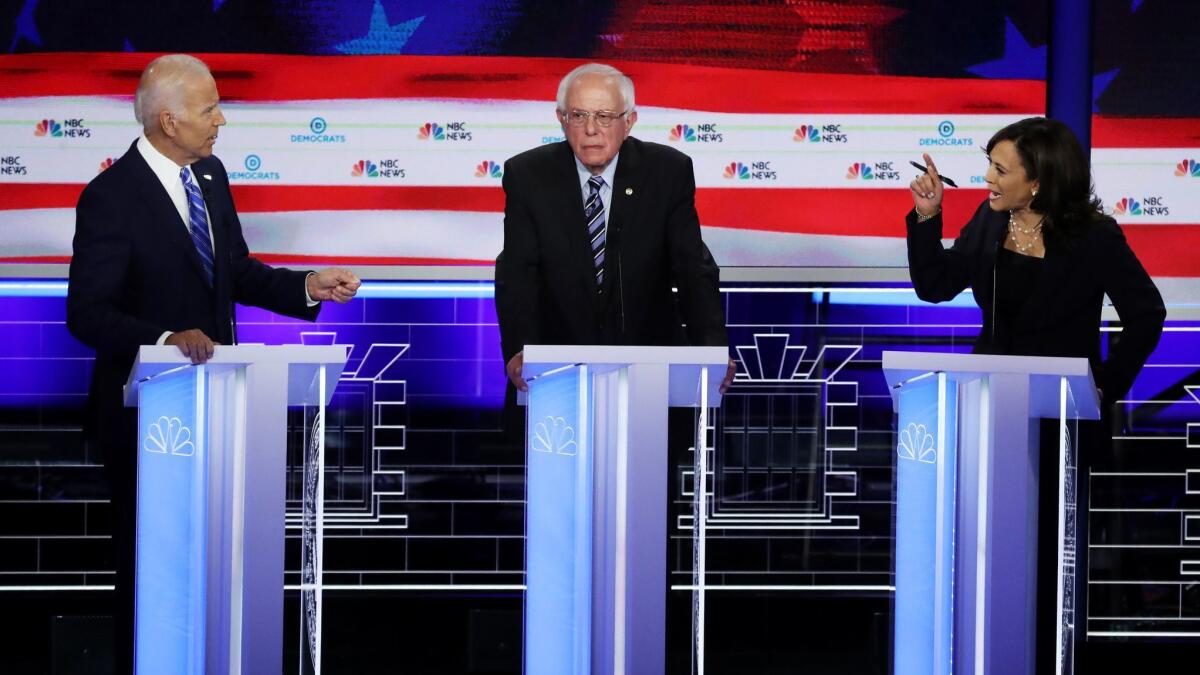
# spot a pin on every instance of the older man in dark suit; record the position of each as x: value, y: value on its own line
x: 597, y: 231
x: 159, y: 258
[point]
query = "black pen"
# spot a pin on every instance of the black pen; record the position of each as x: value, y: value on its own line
x: 944, y: 179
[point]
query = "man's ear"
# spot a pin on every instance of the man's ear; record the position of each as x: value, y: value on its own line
x: 166, y: 122
x: 632, y: 117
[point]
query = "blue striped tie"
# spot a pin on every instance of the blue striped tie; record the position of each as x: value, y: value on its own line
x: 198, y: 224
x: 593, y: 211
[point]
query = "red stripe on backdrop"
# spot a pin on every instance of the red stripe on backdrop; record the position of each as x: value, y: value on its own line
x: 839, y: 211
x: 14, y: 196
x: 284, y: 258
x: 272, y: 198
x: 831, y: 211
x: 1137, y: 132
x: 1155, y: 246
x: 846, y: 211
x: 267, y: 77
x: 263, y: 198
x: 1166, y: 250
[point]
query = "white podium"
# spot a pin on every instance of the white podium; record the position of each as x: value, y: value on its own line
x: 210, y: 506
x: 596, y: 490
x: 967, y: 503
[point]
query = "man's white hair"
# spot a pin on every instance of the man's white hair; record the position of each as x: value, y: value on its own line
x: 161, y: 86
x: 624, y: 84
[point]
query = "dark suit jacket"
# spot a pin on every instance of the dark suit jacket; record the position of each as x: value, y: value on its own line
x: 1062, y: 317
x: 135, y: 273
x: 546, y: 290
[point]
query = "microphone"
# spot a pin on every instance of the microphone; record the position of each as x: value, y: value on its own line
x: 621, y: 291
x: 618, y: 243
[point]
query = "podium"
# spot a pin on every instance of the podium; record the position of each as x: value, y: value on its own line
x: 596, y: 491
x: 212, y: 443
x: 967, y: 504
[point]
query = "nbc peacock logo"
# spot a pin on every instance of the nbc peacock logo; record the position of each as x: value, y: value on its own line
x: 431, y: 130
x: 682, y: 132
x: 859, y: 170
x: 48, y: 128
x: 1127, y: 206
x: 108, y: 161
x: 488, y: 169
x: 737, y: 170
x: 807, y: 133
x: 1188, y: 167
x: 364, y: 167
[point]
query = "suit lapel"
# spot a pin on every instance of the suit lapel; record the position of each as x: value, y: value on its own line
x: 564, y: 183
x: 164, y: 213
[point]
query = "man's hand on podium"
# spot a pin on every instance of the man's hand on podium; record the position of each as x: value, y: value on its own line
x: 193, y: 343
x: 729, y: 373
x: 513, y: 369
x: 334, y: 283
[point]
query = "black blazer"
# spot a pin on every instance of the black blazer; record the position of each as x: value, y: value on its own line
x: 1062, y: 317
x: 135, y: 273
x: 546, y: 290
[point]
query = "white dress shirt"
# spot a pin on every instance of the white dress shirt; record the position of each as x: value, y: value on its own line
x: 167, y: 172
x: 606, y: 190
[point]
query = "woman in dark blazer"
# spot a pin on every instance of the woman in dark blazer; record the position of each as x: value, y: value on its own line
x: 1040, y: 255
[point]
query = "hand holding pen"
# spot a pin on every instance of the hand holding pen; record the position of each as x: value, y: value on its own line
x: 927, y: 188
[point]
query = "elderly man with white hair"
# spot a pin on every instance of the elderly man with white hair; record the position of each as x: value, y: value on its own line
x: 598, y: 229
x: 159, y: 258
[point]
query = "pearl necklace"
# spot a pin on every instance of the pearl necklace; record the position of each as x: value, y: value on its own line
x: 1033, y: 234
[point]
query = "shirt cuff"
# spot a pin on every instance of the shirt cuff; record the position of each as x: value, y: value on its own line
x: 308, y: 298
x: 162, y: 339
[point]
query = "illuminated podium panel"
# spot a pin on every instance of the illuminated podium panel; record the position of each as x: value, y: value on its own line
x: 210, y: 506
x: 596, y: 490
x: 967, y: 503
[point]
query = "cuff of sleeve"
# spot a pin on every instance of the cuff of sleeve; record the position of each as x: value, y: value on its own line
x: 308, y: 298
x: 921, y: 217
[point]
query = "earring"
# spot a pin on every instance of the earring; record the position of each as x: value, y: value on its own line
x: 1035, y: 193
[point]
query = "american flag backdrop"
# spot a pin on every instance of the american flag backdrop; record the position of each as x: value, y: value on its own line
x: 376, y: 133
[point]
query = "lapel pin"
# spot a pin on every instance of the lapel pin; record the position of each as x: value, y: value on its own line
x: 629, y: 191
x: 207, y: 176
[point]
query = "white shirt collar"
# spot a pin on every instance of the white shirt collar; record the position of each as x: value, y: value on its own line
x: 163, y: 167
x: 608, y: 174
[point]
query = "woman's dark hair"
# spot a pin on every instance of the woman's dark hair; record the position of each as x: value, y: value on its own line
x: 1051, y: 155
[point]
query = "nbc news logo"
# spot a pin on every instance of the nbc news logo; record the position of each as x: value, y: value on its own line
x: 68, y: 128
x: 450, y: 131
x: 1153, y: 205
x: 384, y: 168
x: 828, y: 133
x: 488, y: 169
x: 10, y: 165
x: 754, y: 171
x: 874, y: 171
x: 701, y: 133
